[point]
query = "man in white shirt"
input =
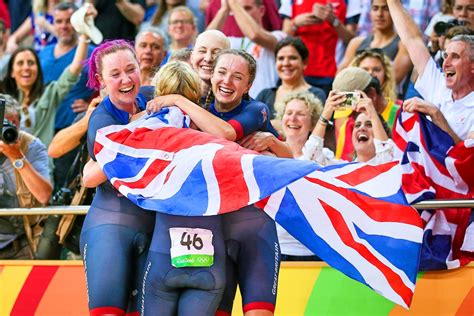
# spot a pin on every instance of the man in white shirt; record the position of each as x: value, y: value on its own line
x: 448, y: 93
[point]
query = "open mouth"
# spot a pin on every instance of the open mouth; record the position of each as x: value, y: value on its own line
x: 127, y: 89
x: 225, y: 91
x: 450, y: 73
x: 296, y: 127
x: 362, y: 138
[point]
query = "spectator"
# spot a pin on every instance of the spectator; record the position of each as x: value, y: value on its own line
x: 150, y: 46
x: 19, y: 11
x: 319, y: 25
x: 54, y: 59
x: 40, y: 22
x: 448, y: 93
x: 4, y: 55
x: 464, y: 11
x: 421, y: 11
x: 299, y: 112
x: 444, y: 15
x: 377, y: 64
x: 161, y: 16
x: 271, y: 20
x: 356, y: 79
x: 291, y: 59
x: 24, y: 182
x: 384, y: 37
x: 370, y: 136
x: 257, y: 41
x: 24, y: 81
x: 119, y: 18
x: 181, y: 29
x: 60, y: 237
x: 183, y: 54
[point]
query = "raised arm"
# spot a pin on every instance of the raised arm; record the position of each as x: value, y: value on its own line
x: 133, y: 12
x: 70, y: 137
x: 410, y: 35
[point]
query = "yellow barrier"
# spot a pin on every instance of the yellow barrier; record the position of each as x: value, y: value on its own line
x: 48, y: 288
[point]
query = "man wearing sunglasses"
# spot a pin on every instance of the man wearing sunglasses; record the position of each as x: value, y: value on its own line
x: 448, y: 93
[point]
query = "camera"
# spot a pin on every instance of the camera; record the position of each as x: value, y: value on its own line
x: 441, y: 28
x: 9, y: 132
x: 352, y: 98
x: 62, y: 197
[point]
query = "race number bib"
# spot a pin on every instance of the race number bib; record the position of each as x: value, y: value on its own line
x: 191, y: 247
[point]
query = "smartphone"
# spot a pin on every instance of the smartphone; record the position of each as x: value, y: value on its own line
x: 352, y: 98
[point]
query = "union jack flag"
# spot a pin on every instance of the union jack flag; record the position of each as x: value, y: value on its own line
x: 434, y: 167
x: 354, y: 216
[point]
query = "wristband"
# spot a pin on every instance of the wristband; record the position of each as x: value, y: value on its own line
x: 325, y: 121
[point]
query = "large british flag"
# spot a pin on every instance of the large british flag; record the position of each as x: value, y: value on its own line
x: 434, y: 167
x: 354, y: 216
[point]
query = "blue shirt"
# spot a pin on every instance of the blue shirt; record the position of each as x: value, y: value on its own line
x: 248, y: 117
x: 52, y: 68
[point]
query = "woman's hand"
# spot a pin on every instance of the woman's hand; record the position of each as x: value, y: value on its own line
x: 366, y: 106
x: 160, y: 102
x: 258, y: 141
x: 333, y: 101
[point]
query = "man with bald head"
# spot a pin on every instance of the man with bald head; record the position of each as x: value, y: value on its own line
x: 208, y: 45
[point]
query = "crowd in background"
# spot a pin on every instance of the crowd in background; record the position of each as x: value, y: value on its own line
x: 307, y: 54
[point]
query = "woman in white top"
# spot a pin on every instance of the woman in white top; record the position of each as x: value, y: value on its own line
x: 370, y: 136
x: 301, y: 113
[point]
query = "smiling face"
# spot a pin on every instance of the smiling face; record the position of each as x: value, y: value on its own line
x: 374, y: 67
x: 380, y: 15
x: 363, y: 136
x: 464, y: 10
x: 25, y: 70
x: 458, y: 67
x: 230, y: 80
x: 181, y: 26
x: 289, y: 64
x: 207, y: 46
x: 150, y: 50
x: 296, y: 120
x: 62, y: 25
x: 120, y: 76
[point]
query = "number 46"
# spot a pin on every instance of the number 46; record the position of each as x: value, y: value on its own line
x: 196, y: 242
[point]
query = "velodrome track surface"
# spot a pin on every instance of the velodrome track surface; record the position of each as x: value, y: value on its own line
x: 49, y: 288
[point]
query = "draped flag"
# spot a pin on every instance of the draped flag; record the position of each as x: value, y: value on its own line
x: 354, y: 216
x: 434, y: 168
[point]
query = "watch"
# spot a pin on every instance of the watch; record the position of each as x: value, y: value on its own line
x: 335, y: 22
x: 19, y: 163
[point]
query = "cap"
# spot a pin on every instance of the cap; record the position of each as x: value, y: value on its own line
x: 351, y: 79
x: 85, y: 25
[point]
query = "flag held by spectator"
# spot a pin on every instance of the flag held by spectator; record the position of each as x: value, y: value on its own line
x: 434, y: 167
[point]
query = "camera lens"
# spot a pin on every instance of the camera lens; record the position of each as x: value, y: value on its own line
x: 9, y: 133
x: 440, y: 28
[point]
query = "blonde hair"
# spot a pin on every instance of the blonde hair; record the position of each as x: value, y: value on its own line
x: 178, y: 77
x: 315, y: 106
x: 389, y: 85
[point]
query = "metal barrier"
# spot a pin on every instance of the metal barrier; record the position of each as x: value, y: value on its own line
x: 82, y: 209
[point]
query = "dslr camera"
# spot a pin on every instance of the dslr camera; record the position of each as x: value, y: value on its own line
x: 9, y: 132
x: 441, y: 28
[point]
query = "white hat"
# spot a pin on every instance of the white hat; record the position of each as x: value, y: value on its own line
x: 85, y: 25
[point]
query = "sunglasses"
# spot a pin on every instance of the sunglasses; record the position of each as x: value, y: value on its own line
x: 26, y: 114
